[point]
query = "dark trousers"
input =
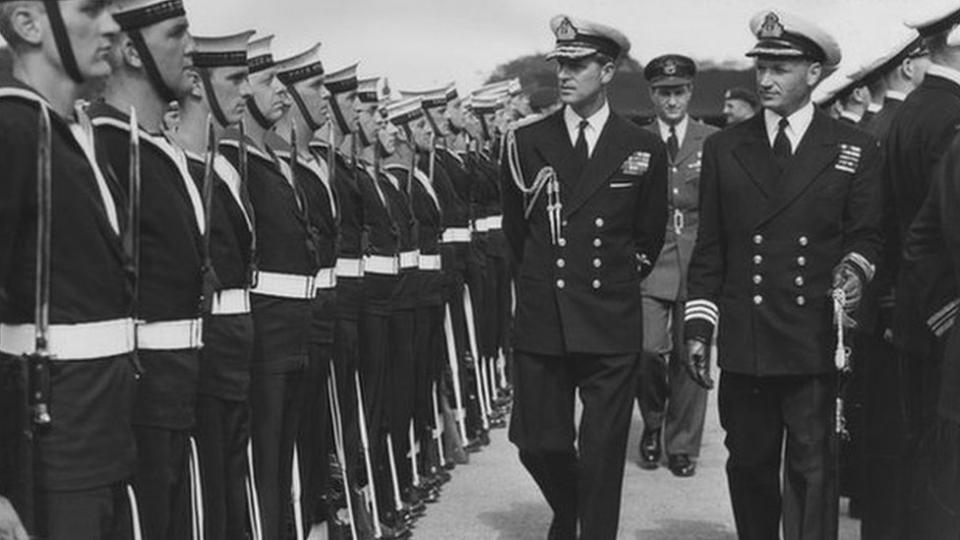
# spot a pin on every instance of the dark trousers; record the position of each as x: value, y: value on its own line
x: 316, y: 436
x: 346, y: 358
x: 275, y: 400
x: 401, y: 389
x: 222, y: 433
x: 90, y: 514
x: 668, y: 398
x: 374, y: 356
x: 757, y: 414
x: 582, y: 486
x: 428, y: 366
x: 935, y: 514
x: 162, y: 483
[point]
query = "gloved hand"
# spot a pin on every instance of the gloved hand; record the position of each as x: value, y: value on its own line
x: 697, y: 363
x: 10, y: 526
x: 848, y: 279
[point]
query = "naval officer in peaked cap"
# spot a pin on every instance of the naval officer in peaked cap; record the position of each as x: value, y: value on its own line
x: 789, y: 212
x: 584, y: 203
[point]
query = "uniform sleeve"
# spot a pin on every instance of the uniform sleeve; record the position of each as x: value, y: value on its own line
x: 706, y: 270
x: 18, y: 151
x: 514, y: 223
x: 651, y: 213
x: 863, y: 240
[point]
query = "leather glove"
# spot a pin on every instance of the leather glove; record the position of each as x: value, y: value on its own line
x: 848, y: 279
x: 697, y: 363
x: 10, y: 526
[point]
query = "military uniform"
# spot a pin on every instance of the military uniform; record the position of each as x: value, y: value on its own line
x: 578, y: 271
x: 773, y: 232
x: 88, y: 450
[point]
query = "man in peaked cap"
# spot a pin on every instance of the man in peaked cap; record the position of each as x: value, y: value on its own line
x: 584, y: 203
x: 901, y: 70
x: 772, y: 244
x: 283, y: 292
x: 152, y: 62
x: 921, y: 281
x: 85, y: 454
x: 673, y: 406
x: 219, y: 94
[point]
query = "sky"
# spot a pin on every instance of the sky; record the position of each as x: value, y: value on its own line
x: 419, y: 44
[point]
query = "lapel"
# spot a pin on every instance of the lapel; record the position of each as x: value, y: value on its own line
x: 613, y: 147
x: 691, y: 142
x: 556, y: 150
x: 755, y: 155
x: 817, y: 151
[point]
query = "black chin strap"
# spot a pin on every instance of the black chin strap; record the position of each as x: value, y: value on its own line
x: 302, y: 105
x: 338, y: 116
x: 62, y: 40
x: 215, y: 107
x: 257, y: 114
x: 150, y: 65
x: 486, y: 129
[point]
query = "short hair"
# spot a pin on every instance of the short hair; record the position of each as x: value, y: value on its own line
x: 6, y: 20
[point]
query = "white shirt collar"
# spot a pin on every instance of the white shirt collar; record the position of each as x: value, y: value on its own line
x: 853, y: 117
x: 897, y: 95
x: 681, y: 129
x: 874, y: 107
x: 592, y: 132
x: 945, y: 72
x: 800, y: 120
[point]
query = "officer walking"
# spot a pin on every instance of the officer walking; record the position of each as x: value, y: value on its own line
x: 789, y: 211
x: 673, y: 406
x: 584, y: 206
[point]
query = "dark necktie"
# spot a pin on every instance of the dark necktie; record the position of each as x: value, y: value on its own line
x: 673, y: 145
x: 580, y: 150
x: 781, y: 144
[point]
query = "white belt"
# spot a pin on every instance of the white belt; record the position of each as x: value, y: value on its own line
x: 410, y: 259
x: 379, y: 264
x: 82, y: 341
x: 350, y: 268
x: 456, y: 234
x: 430, y: 262
x: 170, y: 335
x: 326, y: 279
x: 231, y: 302
x: 293, y: 286
x: 481, y: 225
x: 493, y: 223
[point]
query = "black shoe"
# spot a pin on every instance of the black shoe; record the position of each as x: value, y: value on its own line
x: 650, y: 449
x: 681, y: 465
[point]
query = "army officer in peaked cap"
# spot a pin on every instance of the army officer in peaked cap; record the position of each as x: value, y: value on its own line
x: 789, y: 212
x: 584, y: 203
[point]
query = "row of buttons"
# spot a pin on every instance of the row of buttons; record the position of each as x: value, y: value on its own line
x: 801, y: 300
x: 597, y: 262
x: 803, y: 240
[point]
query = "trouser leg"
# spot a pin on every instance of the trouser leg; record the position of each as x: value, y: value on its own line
x: 222, y: 432
x: 687, y: 405
x: 654, y: 387
x: 162, y: 482
x: 88, y: 514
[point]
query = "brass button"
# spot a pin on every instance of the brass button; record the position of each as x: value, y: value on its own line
x: 674, y: 169
x: 803, y: 241
x: 676, y: 191
x: 597, y: 242
x: 561, y: 263
x: 802, y: 261
x: 597, y: 263
x: 757, y: 259
x: 562, y: 242
x: 801, y: 301
x: 799, y: 281
x: 758, y: 239
x: 599, y: 222
x: 561, y: 283
x: 757, y: 300
x: 565, y: 223
x: 596, y: 284
x: 758, y: 279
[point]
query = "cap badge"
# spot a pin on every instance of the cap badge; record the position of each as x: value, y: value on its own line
x: 771, y: 28
x: 566, y: 31
x: 670, y: 67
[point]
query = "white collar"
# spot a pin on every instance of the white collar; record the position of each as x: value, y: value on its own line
x: 853, y: 117
x: 800, y: 120
x: 896, y: 94
x: 680, y: 128
x: 874, y: 107
x: 596, y: 122
x: 945, y: 72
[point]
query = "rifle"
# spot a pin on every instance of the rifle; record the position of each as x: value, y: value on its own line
x: 35, y: 369
x: 211, y: 284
